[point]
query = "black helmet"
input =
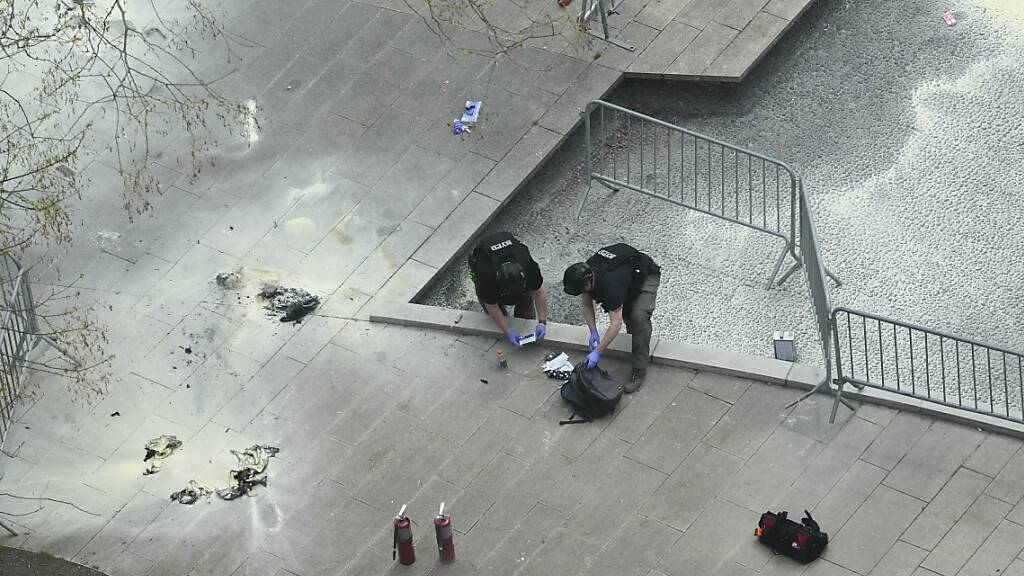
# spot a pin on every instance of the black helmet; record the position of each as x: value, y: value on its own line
x: 575, y: 279
x: 511, y: 282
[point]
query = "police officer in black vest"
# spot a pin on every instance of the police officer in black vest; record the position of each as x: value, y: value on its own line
x: 625, y: 282
x: 506, y: 275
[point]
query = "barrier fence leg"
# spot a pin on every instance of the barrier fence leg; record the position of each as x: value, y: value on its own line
x: 8, y: 528
x: 778, y: 266
x: 824, y: 385
x: 605, y: 11
x: 835, y: 404
x: 71, y: 357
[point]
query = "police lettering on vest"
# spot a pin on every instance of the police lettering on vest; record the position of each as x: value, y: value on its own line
x: 501, y: 245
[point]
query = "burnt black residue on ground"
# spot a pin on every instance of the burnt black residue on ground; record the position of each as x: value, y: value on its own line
x: 14, y: 562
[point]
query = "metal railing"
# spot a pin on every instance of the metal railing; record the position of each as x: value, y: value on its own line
x: 604, y: 9
x: 20, y: 334
x: 888, y: 354
x: 817, y: 279
x: 647, y: 155
x: 16, y: 339
x: 640, y: 153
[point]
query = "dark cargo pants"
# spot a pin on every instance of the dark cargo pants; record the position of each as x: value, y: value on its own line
x: 522, y: 309
x: 637, y: 316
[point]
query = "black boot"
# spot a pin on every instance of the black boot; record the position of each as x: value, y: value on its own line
x: 636, y: 380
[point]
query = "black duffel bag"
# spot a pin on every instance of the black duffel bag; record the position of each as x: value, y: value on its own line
x: 802, y: 542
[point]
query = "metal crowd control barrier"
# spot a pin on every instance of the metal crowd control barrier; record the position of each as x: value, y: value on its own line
x: 664, y: 161
x: 883, y: 353
x: 821, y: 296
x: 19, y: 337
x: 590, y: 8
x: 685, y: 168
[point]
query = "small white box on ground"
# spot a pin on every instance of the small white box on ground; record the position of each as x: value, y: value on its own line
x: 784, y: 346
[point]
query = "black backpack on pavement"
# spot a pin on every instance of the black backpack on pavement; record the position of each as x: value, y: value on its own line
x: 591, y: 393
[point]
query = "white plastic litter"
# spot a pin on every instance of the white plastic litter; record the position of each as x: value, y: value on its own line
x: 559, y: 363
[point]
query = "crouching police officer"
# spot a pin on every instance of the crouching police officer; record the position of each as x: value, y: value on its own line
x: 625, y: 282
x: 506, y: 275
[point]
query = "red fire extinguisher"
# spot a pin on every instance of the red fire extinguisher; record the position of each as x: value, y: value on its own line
x: 403, y: 539
x: 445, y: 540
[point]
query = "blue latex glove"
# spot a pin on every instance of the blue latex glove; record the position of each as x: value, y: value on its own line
x: 592, y: 359
x: 540, y: 331
x: 595, y: 339
x: 513, y: 337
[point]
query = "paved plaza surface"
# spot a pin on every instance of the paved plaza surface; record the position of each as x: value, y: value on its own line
x: 356, y: 189
x: 370, y: 416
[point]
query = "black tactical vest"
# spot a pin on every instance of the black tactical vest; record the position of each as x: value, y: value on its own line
x: 612, y: 257
x: 507, y: 257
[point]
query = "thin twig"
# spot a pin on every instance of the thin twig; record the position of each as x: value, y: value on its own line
x: 12, y: 515
x: 41, y: 498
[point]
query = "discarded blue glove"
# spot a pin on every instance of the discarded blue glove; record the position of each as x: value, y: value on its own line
x: 513, y: 337
x: 592, y: 359
x: 595, y: 339
x: 540, y: 331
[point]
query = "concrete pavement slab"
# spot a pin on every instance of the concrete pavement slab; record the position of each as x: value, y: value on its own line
x: 862, y: 541
x: 636, y: 549
x: 727, y: 388
x: 344, y: 28
x: 711, y: 542
x: 751, y: 420
x: 104, y: 432
x: 703, y: 50
x: 933, y: 460
x: 830, y: 465
x: 270, y: 379
x: 847, y: 496
x: 664, y: 50
x: 993, y: 453
x: 617, y: 496
x: 997, y: 552
x: 1008, y: 485
x: 788, y: 9
x: 456, y: 231
x: 743, y: 52
x: 594, y: 82
x: 738, y: 13
x: 525, y: 156
x: 779, y: 462
x: 896, y: 440
x: 463, y: 178
x: 700, y: 13
x: 901, y: 560
x: 946, y: 508
x: 325, y: 200
x: 385, y: 261
x: 659, y: 13
x: 562, y: 553
x: 675, y: 433
x: 964, y: 538
x: 635, y: 33
x: 685, y: 494
x: 523, y: 542
x: 110, y: 542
